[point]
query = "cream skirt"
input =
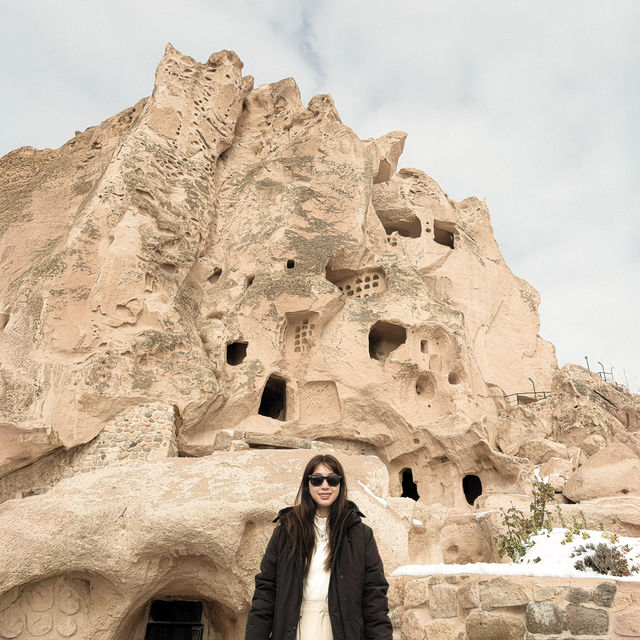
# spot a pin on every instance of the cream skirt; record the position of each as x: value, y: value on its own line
x: 314, y: 621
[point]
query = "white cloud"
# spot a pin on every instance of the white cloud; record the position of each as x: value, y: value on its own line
x: 533, y: 106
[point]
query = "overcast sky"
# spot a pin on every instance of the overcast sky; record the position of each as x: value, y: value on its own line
x: 532, y: 105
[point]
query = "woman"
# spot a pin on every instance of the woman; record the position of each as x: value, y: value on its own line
x: 321, y: 577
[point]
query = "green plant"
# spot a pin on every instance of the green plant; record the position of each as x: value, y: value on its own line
x: 549, y: 525
x: 578, y: 527
x: 561, y: 517
x: 542, y: 494
x: 514, y: 542
x: 519, y: 528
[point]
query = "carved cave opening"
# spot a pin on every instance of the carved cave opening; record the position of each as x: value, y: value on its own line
x: 454, y: 378
x: 217, y: 272
x: 175, y: 620
x: 358, y: 284
x: 249, y: 281
x: 291, y: 263
x: 273, y: 403
x: 425, y: 386
x: 404, y: 223
x: 303, y: 333
x: 169, y: 267
x: 443, y: 234
x: 472, y: 488
x: 409, y: 487
x: 385, y: 337
x: 236, y: 352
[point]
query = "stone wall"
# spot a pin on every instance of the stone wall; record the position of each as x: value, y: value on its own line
x: 473, y: 607
x: 145, y: 432
x: 464, y: 607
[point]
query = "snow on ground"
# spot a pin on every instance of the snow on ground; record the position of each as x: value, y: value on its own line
x: 555, y: 560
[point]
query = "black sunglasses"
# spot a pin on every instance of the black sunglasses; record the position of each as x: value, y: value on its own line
x: 316, y: 480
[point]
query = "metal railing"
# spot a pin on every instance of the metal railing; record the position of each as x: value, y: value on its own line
x: 525, y: 397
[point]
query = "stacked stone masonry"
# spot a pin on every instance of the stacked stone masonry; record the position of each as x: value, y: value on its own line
x: 145, y: 432
x: 472, y: 607
x: 463, y: 607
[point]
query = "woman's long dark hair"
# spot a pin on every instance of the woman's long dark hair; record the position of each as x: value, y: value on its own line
x: 299, y: 521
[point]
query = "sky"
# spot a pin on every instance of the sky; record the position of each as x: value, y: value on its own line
x: 534, y: 107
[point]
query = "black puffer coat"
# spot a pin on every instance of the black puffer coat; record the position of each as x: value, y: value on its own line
x: 358, y: 606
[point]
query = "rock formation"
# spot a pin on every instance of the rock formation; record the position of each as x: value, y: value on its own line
x: 205, y: 289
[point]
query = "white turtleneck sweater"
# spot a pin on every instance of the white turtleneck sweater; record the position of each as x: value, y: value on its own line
x: 316, y: 584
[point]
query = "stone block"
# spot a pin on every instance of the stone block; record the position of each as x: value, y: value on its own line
x: 604, y: 594
x: 395, y: 594
x: 544, y: 617
x: 222, y: 440
x: 443, y: 601
x: 468, y: 596
x: 533, y: 636
x: 412, y: 625
x: 593, y: 443
x: 577, y: 595
x: 416, y: 593
x: 501, y: 592
x: 587, y: 620
x: 395, y: 615
x: 541, y: 592
x: 439, y: 630
x: 494, y: 626
x: 626, y: 623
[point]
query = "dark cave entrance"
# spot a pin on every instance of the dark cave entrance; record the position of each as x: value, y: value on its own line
x: 472, y: 488
x: 409, y: 487
x: 385, y: 337
x: 236, y: 352
x: 175, y: 620
x: 404, y: 223
x: 442, y: 234
x: 273, y: 403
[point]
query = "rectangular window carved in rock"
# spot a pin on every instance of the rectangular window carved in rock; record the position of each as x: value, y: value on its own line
x: 299, y: 332
x: 443, y: 233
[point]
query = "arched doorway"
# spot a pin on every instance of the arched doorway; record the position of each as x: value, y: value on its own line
x: 409, y: 487
x: 472, y: 488
x: 175, y: 620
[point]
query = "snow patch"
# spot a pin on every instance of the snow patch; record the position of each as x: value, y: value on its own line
x: 482, y: 514
x: 555, y: 560
x: 536, y: 474
x: 382, y: 501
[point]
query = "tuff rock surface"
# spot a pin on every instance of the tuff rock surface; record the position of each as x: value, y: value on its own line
x: 203, y: 291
